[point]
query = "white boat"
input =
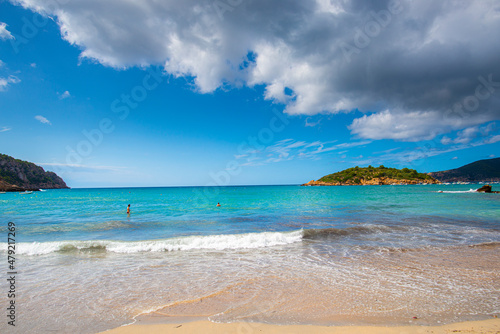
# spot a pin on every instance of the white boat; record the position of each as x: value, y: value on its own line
x: 26, y: 193
x: 2, y: 192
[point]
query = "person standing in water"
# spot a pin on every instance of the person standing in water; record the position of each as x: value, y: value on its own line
x: 218, y: 204
x: 128, y: 209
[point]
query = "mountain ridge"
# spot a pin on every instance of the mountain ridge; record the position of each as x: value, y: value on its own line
x: 485, y: 170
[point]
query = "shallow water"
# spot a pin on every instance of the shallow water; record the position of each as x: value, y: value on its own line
x: 276, y: 254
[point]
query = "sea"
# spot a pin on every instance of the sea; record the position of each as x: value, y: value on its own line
x: 342, y: 255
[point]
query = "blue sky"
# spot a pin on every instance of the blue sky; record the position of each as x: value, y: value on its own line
x: 199, y: 94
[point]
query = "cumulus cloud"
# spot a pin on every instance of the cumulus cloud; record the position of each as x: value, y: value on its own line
x: 410, y: 62
x: 4, y: 33
x: 42, y: 119
x: 5, y: 82
x: 64, y: 95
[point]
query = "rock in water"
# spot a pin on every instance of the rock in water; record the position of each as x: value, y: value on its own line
x: 485, y: 189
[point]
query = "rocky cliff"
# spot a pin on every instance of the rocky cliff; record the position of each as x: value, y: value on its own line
x: 19, y: 175
x: 373, y: 176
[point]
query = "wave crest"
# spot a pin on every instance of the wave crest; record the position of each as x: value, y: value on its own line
x: 209, y: 242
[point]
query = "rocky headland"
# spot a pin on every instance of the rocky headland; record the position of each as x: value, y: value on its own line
x: 19, y: 175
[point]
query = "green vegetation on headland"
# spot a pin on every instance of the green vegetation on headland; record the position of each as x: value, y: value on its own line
x: 20, y: 175
x: 373, y: 176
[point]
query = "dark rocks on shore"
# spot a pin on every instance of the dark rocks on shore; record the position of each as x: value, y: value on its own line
x: 486, y: 189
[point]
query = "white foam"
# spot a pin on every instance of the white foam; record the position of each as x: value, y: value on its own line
x: 215, y: 242
x: 457, y: 191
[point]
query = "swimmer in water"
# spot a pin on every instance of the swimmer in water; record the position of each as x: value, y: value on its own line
x: 218, y: 204
x: 128, y: 209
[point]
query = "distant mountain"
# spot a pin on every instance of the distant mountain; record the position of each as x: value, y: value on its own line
x: 373, y: 176
x: 19, y: 175
x: 480, y: 171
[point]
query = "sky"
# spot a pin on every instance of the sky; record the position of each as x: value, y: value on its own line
x: 240, y: 92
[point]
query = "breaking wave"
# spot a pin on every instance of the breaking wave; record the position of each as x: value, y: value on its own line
x: 253, y: 240
x: 209, y: 242
x: 457, y: 191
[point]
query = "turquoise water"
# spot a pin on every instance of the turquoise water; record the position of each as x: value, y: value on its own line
x: 67, y: 240
x: 157, y: 213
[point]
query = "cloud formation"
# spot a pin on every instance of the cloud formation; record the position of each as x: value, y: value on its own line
x: 467, y: 135
x: 42, y: 119
x: 290, y: 149
x: 415, y: 65
x: 64, y: 95
x: 5, y: 82
x: 4, y: 33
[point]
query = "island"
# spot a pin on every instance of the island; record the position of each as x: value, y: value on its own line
x: 373, y: 176
x: 20, y: 175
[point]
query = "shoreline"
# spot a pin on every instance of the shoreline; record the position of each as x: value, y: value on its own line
x: 490, y: 326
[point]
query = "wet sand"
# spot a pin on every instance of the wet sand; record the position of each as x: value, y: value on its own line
x: 491, y: 326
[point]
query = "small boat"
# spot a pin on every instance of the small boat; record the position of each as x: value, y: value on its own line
x: 26, y: 193
x: 2, y: 192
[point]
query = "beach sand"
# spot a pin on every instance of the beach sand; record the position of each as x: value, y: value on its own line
x: 491, y: 326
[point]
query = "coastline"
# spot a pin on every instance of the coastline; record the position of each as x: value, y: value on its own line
x: 491, y: 326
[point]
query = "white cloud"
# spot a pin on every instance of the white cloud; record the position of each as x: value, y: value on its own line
x: 465, y: 136
x: 5, y: 82
x: 5, y: 128
x: 310, y: 123
x: 64, y: 95
x: 42, y: 119
x: 289, y: 149
x: 469, y: 134
x: 414, y: 126
x: 78, y: 166
x: 295, y: 50
x: 422, y: 152
x: 494, y: 139
x: 1, y: 63
x: 33, y: 65
x: 4, y: 33
x: 446, y: 140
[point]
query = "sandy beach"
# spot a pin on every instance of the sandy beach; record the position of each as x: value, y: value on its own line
x: 491, y: 326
